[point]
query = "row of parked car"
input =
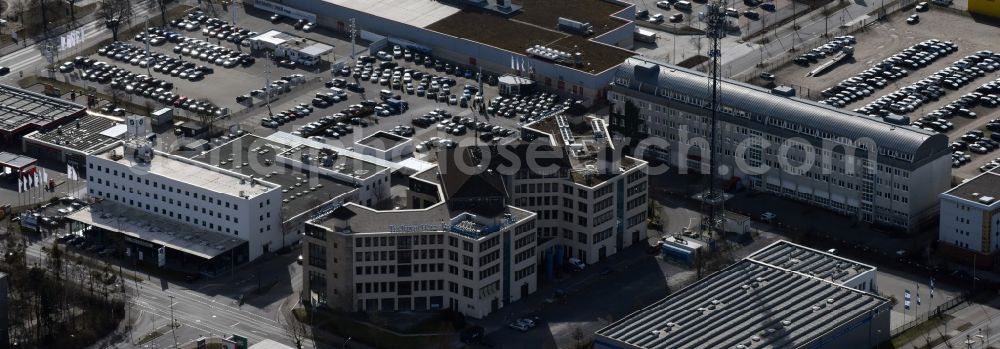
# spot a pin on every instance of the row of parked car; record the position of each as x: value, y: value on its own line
x: 829, y: 48
x: 147, y: 86
x: 84, y: 244
x: 529, y: 108
x: 212, y: 53
x: 218, y: 29
x: 299, y: 111
x: 892, y: 68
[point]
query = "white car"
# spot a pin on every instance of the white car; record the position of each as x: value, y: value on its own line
x: 768, y: 216
x: 577, y: 263
x: 663, y: 4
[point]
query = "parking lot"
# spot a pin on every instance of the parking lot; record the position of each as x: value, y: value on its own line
x: 747, y: 18
x: 399, y: 95
x: 937, y: 94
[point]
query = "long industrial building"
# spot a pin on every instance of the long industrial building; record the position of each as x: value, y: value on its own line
x: 852, y: 164
x: 567, y: 46
x: 784, y: 296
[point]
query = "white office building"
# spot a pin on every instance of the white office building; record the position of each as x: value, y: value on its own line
x: 594, y: 203
x: 855, y: 165
x: 465, y: 250
x: 970, y: 221
x: 199, y: 210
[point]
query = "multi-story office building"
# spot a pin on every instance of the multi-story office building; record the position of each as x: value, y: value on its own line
x: 856, y: 165
x: 463, y: 249
x: 206, y: 200
x: 970, y: 221
x: 592, y: 202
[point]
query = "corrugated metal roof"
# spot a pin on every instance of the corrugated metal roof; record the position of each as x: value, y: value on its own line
x: 638, y: 71
x: 747, y: 303
x: 784, y: 254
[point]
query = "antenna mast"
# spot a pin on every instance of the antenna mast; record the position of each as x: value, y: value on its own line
x: 713, y: 198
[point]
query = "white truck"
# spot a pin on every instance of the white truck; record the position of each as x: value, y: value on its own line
x: 643, y: 35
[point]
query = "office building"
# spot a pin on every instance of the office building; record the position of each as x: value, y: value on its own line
x: 852, y: 164
x: 466, y: 250
x: 784, y: 296
x: 970, y: 221
x: 592, y: 203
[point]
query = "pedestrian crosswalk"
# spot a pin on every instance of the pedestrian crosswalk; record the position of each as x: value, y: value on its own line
x: 31, y: 57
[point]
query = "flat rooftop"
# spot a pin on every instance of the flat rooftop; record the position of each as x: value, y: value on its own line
x: 16, y: 161
x: 537, y: 24
x: 823, y: 265
x: 382, y: 140
x: 195, y: 173
x: 434, y: 218
x: 985, y: 184
x: 587, y: 138
x: 748, y: 303
x: 338, y: 162
x: 254, y: 156
x: 87, y: 134
x: 22, y: 110
x: 418, y: 13
x: 143, y: 225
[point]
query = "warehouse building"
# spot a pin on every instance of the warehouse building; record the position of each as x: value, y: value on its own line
x: 531, y: 38
x: 970, y: 221
x: 852, y: 164
x: 73, y: 141
x: 784, y: 296
x: 23, y: 111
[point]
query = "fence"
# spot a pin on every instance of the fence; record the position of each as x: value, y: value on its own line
x: 937, y: 311
x: 861, y: 22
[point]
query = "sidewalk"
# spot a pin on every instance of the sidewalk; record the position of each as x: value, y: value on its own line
x: 22, y: 43
x: 966, y: 321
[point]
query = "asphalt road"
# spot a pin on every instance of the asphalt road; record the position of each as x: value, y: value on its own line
x: 209, y: 307
x: 30, y: 59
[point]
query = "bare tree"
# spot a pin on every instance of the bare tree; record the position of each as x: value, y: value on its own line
x: 115, y: 14
x: 19, y: 7
x: 160, y: 5
x: 294, y: 329
x: 43, y: 8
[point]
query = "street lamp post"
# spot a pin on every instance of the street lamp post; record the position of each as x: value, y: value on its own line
x: 345, y: 343
x: 172, y: 333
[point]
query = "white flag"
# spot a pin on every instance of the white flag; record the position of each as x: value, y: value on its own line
x: 69, y: 172
x: 20, y: 184
x: 512, y: 65
x: 45, y: 176
x: 31, y: 181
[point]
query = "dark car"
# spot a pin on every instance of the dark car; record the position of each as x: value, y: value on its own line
x: 4, y: 71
